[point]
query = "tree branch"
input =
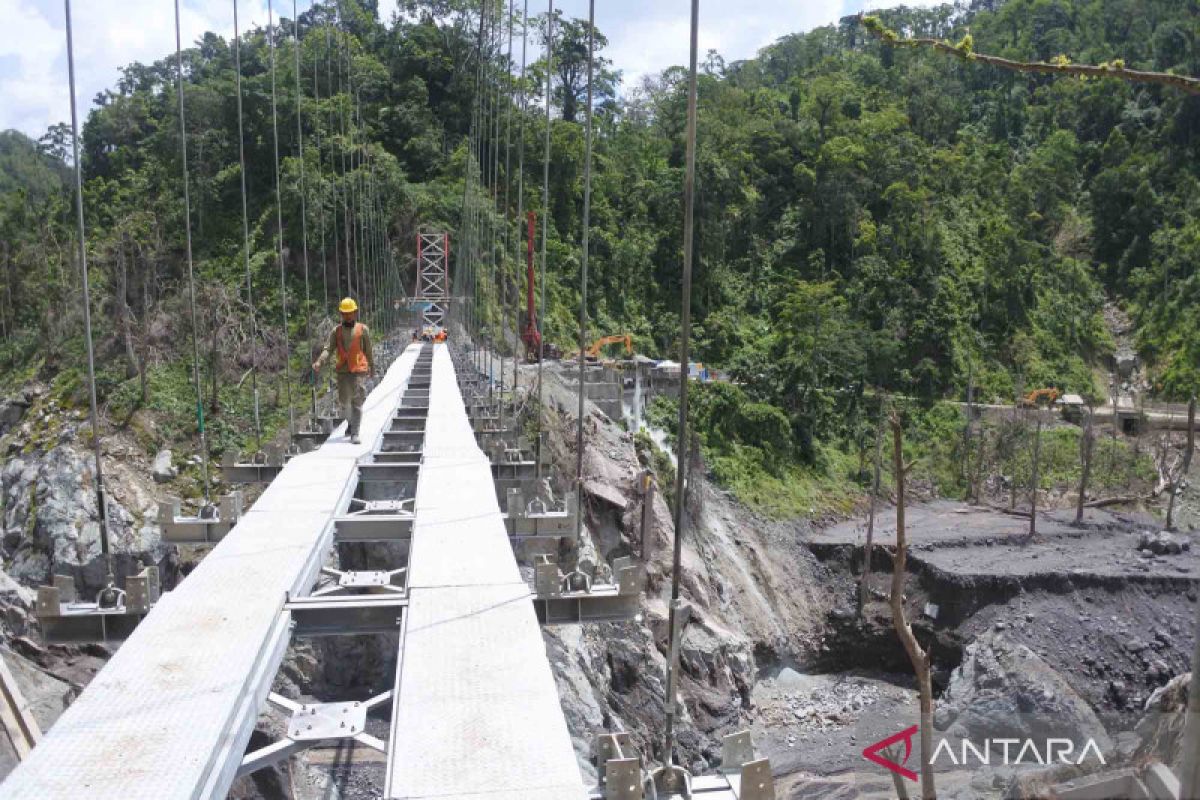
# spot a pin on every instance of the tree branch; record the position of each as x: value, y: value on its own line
x: 1059, y: 66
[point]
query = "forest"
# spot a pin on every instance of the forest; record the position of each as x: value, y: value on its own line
x: 871, y: 220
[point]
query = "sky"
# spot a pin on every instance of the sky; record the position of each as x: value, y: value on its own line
x: 644, y: 36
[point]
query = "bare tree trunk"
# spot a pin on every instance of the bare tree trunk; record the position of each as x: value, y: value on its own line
x: 966, y: 460
x: 121, y: 308
x: 1085, y: 456
x: 1034, y: 477
x: 1191, y: 436
x: 919, y: 658
x: 864, y: 587
x: 214, y: 361
x: 1171, y: 506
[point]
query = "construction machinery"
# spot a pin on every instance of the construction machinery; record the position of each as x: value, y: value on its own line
x: 592, y: 353
x: 1039, y: 397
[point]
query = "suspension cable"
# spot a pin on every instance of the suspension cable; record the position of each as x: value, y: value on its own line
x: 80, y: 232
x: 545, y: 225
x: 507, y: 197
x: 283, y: 303
x: 520, y: 187
x: 237, y: 55
x: 320, y: 185
x: 583, y: 265
x: 333, y: 183
x: 312, y: 386
x: 187, y: 227
x: 684, y: 448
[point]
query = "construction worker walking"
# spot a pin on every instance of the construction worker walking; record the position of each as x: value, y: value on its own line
x: 351, y: 341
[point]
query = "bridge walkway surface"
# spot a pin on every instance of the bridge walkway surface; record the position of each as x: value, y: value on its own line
x: 170, y: 715
x: 477, y: 713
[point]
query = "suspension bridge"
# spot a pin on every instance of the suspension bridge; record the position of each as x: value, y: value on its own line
x: 407, y: 534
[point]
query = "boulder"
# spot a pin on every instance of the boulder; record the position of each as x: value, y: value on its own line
x: 1004, y: 689
x: 164, y: 470
x: 49, y: 511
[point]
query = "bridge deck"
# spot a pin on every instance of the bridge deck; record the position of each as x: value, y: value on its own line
x: 171, y: 713
x: 477, y: 713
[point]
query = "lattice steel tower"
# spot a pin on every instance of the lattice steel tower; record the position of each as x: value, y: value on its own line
x: 433, y: 277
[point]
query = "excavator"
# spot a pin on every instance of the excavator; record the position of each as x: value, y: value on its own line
x: 1039, y: 397
x: 592, y: 353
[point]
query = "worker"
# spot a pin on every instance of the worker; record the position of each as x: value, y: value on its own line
x: 351, y: 341
x: 441, y: 336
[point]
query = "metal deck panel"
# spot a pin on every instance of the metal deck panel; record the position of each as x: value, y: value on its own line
x: 477, y: 713
x: 170, y: 714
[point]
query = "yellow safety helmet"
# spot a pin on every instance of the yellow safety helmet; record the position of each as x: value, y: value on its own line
x: 348, y: 306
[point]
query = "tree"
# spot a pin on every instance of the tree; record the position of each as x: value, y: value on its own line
x: 571, y: 66
x: 919, y: 657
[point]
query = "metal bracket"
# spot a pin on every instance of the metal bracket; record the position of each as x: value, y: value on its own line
x: 742, y: 776
x: 65, y: 618
x: 316, y: 722
x: 209, y: 526
x: 263, y: 466
x: 346, y: 615
x: 535, y: 519
x: 562, y: 599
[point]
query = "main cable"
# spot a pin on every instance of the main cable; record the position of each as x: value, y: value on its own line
x: 520, y: 189
x: 283, y: 303
x: 685, y: 322
x: 545, y: 226
x: 80, y: 232
x: 312, y: 384
x: 583, y: 266
x: 237, y: 56
x: 187, y: 228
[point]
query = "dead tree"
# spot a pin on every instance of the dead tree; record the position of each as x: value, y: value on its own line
x: 1034, y: 477
x: 1170, y: 473
x: 1086, y: 445
x: 864, y: 587
x: 919, y: 657
x: 1191, y: 436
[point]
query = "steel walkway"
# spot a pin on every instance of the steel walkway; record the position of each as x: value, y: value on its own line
x: 170, y: 715
x: 475, y: 708
x: 476, y: 713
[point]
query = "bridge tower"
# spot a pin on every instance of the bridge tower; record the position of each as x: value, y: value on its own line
x: 433, y: 277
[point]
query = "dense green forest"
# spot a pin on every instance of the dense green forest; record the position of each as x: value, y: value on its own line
x: 869, y: 218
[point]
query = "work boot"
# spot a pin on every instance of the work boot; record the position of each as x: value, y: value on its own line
x: 354, y: 439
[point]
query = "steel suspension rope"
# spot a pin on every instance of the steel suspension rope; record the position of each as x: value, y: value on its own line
x: 312, y: 384
x: 347, y: 194
x: 237, y: 55
x: 498, y: 213
x: 187, y: 228
x: 507, y: 198
x: 545, y: 226
x: 337, y: 247
x: 520, y: 187
x: 493, y: 117
x: 283, y: 303
x: 320, y: 182
x: 583, y: 264
x: 684, y: 447
x: 466, y: 282
x: 81, y: 235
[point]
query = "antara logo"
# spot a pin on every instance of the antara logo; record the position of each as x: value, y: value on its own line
x: 969, y: 753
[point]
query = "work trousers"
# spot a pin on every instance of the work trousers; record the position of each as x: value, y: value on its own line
x: 352, y: 391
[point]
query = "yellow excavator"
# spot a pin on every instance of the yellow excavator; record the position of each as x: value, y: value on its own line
x: 592, y: 353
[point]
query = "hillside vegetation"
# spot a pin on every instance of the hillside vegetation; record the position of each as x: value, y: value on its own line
x: 869, y: 219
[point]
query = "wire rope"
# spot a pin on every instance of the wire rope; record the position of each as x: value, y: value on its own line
x: 187, y: 228
x: 237, y: 56
x: 81, y: 235
x: 283, y: 293
x: 583, y: 264
x: 545, y: 225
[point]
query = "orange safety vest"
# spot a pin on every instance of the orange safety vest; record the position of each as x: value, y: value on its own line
x: 353, y: 360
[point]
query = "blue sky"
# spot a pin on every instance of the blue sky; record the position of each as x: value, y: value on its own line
x: 645, y: 36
